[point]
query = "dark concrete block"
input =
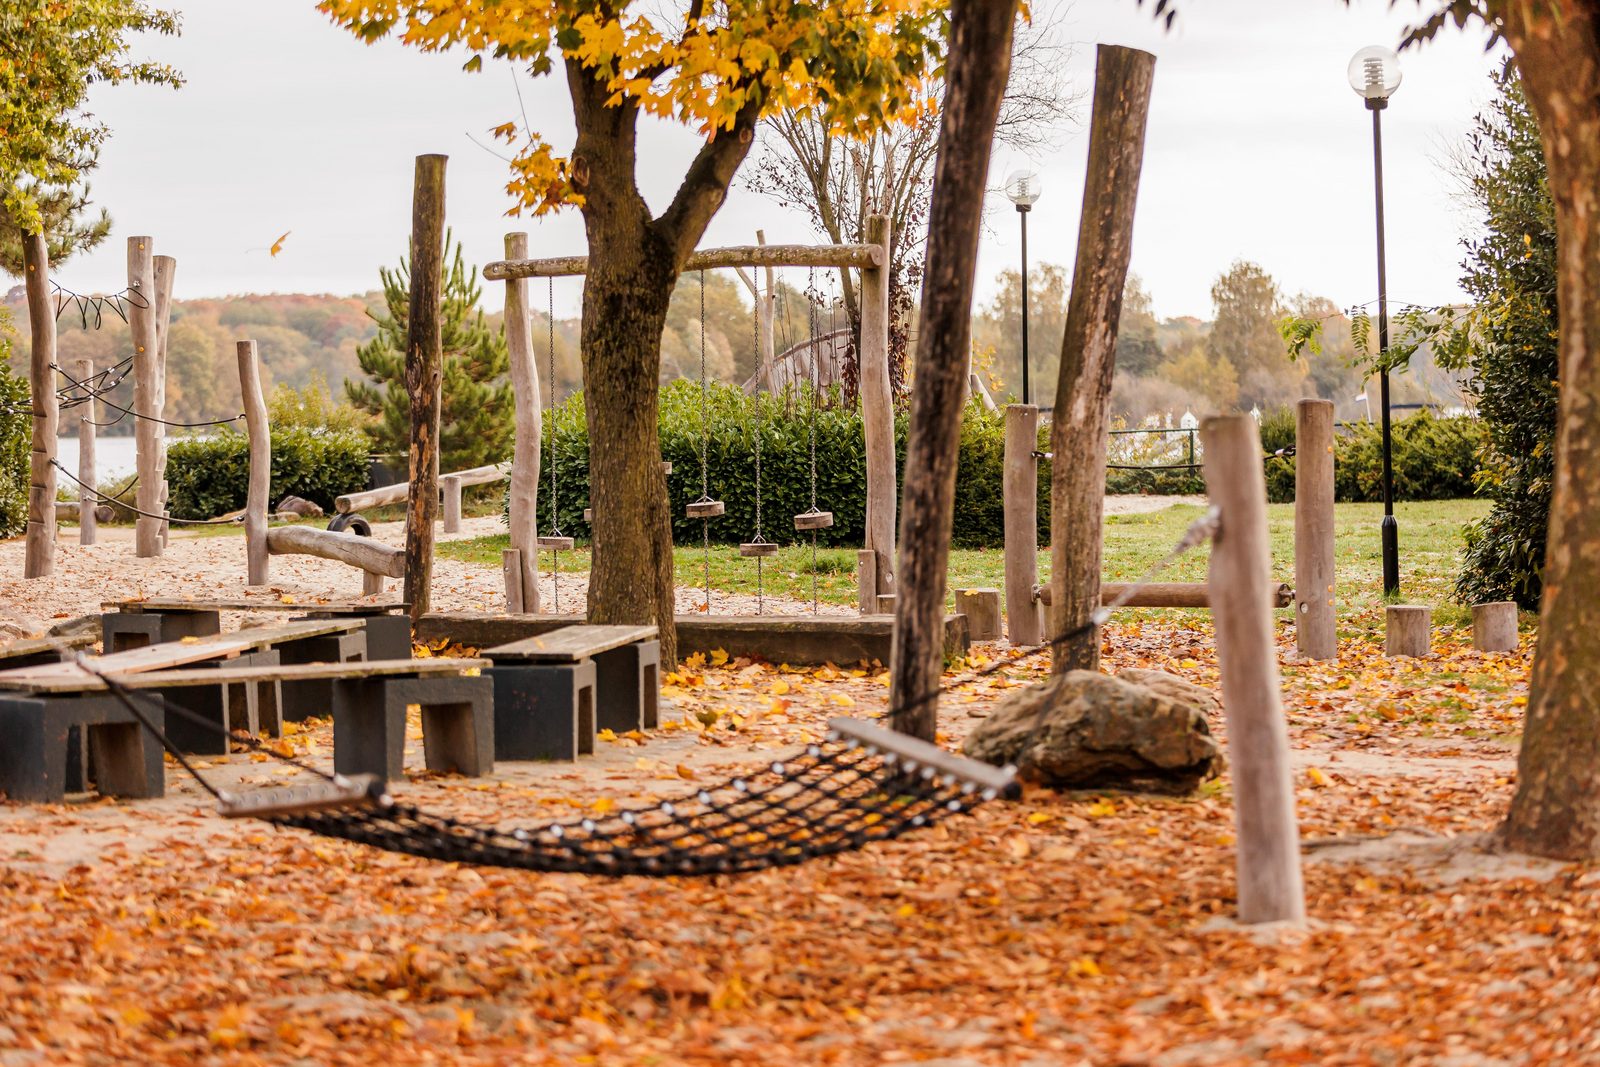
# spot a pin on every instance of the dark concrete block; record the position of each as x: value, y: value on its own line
x: 33, y: 757
x: 120, y: 631
x: 369, y: 724
x: 544, y: 712
x: 301, y: 700
x: 627, y: 687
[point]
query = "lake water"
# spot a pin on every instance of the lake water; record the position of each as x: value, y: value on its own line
x: 113, y: 458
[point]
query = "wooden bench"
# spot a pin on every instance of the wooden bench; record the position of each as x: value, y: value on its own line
x: 37, y: 651
x: 388, y: 626
x: 369, y: 721
x: 552, y: 693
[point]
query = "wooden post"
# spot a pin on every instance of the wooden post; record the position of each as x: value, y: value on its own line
x: 982, y: 609
x: 146, y: 379
x: 424, y: 363
x: 259, y: 434
x: 1408, y: 630
x: 1083, y: 391
x: 1019, y: 489
x: 450, y: 485
x: 1494, y: 626
x: 867, y: 581
x: 39, y: 548
x: 877, y: 407
x: 975, y: 79
x: 88, y: 499
x: 165, y: 269
x: 371, y: 583
x: 1270, y: 888
x: 1314, y: 635
x: 521, y: 570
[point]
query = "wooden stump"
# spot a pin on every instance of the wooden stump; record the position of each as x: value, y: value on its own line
x: 1314, y: 633
x: 1019, y: 491
x: 1270, y: 885
x: 1494, y: 626
x: 982, y: 609
x: 88, y: 499
x: 886, y: 603
x: 1408, y: 630
x: 450, y: 485
x: 260, y: 437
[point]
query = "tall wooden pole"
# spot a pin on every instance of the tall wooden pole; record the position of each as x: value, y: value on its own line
x: 1314, y: 634
x: 424, y: 362
x: 165, y: 269
x: 979, y: 60
x: 259, y: 433
x: 88, y: 499
x: 39, y: 549
x: 1082, y: 416
x: 521, y: 569
x: 146, y: 395
x: 1019, y: 491
x: 1270, y: 888
x: 877, y: 408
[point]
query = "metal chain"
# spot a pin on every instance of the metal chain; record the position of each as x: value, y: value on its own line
x: 705, y: 441
x: 811, y: 304
x: 755, y: 333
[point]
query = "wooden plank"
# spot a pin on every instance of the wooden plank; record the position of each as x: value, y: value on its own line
x: 571, y: 643
x: 257, y: 553
x: 81, y: 682
x: 178, y: 653
x: 168, y: 604
x: 763, y: 255
x: 1268, y: 858
x: 39, y: 549
x: 32, y: 646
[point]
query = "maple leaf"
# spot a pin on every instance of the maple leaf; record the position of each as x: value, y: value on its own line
x: 277, y: 246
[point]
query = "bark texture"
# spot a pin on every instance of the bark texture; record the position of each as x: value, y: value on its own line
x: 1556, y: 809
x: 633, y: 265
x: 1123, y: 78
x: 975, y: 79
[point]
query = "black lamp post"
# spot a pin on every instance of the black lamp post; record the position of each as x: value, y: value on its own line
x: 1022, y: 189
x: 1375, y: 75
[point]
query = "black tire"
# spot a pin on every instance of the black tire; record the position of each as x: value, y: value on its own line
x: 351, y: 521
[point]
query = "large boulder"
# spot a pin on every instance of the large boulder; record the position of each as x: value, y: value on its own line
x: 294, y: 505
x: 1177, y: 689
x: 1085, y: 730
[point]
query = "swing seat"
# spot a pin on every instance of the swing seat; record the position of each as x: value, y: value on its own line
x: 705, y: 509
x: 588, y: 514
x: 754, y: 549
x: 813, y: 520
x: 666, y: 466
x: 559, y: 544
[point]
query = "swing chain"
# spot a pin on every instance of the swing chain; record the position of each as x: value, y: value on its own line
x: 555, y: 515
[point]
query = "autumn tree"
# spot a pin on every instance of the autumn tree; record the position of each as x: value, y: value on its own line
x: 718, y: 68
x: 477, y: 412
x: 54, y: 52
x: 1245, y: 333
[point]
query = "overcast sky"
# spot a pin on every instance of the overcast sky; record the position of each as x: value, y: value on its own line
x: 1257, y: 149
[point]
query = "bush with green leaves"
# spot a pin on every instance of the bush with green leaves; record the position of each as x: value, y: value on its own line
x: 15, y: 433
x: 210, y: 476
x: 1434, y: 458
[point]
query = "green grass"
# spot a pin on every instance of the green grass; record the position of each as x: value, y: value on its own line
x: 1430, y: 555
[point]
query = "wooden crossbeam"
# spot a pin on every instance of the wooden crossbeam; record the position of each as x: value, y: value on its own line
x: 858, y: 256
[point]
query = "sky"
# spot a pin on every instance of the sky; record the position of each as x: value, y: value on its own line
x: 1257, y: 149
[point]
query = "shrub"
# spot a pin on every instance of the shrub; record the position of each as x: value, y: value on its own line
x: 1434, y: 458
x: 210, y: 476
x: 15, y: 433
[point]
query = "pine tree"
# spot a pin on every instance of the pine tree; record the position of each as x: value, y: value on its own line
x: 478, y: 412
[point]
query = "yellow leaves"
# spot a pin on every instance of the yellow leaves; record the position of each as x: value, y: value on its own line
x: 719, y: 657
x: 906, y: 911
x: 607, y: 735
x: 277, y: 246
x: 685, y: 771
x: 695, y: 661
x: 603, y: 805
x: 1101, y: 808
x: 779, y: 688
x: 1037, y: 817
x: 228, y: 1032
x: 842, y: 700
x: 1084, y: 967
x: 1317, y: 778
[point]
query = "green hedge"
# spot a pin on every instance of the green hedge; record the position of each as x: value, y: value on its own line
x: 1434, y: 458
x: 210, y: 476
x: 15, y: 432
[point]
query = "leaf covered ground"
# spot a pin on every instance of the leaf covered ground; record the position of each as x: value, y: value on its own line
x: 1064, y: 928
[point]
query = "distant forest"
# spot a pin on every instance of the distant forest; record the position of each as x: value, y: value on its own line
x: 1164, y: 367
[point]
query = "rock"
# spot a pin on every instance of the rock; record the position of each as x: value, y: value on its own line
x: 1084, y: 730
x: 300, y: 506
x: 1176, y: 689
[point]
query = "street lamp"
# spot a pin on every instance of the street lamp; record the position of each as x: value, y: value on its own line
x: 1023, y: 189
x: 1375, y: 74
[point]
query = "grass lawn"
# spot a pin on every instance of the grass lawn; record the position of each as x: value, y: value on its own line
x: 1430, y: 553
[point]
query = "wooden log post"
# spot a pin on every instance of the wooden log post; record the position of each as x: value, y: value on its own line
x: 877, y: 407
x: 1170, y: 594
x: 39, y: 548
x: 146, y: 380
x: 88, y: 499
x: 520, y: 562
x: 259, y: 434
x: 1268, y: 859
x: 975, y: 78
x: 450, y: 487
x: 982, y: 609
x: 424, y: 365
x: 165, y: 270
x: 1019, y: 491
x: 1314, y: 634
x: 357, y: 551
x: 1494, y: 626
x: 867, y: 581
x: 1408, y: 630
x: 1082, y: 418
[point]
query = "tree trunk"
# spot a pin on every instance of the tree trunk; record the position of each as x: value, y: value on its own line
x: 1556, y: 809
x: 1083, y: 390
x: 424, y: 373
x: 39, y: 549
x: 979, y: 60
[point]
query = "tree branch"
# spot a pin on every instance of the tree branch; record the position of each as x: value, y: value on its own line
x: 705, y: 185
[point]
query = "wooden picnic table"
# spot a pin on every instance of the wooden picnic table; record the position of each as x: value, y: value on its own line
x: 570, y: 644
